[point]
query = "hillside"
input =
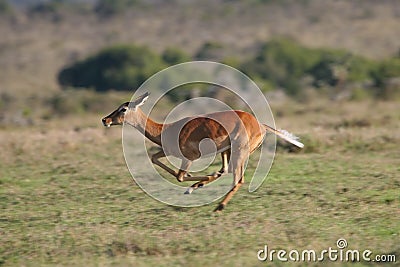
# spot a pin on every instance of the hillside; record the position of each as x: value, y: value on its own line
x: 36, y: 45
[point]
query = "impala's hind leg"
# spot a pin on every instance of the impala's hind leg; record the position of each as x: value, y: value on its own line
x: 230, y: 194
x: 212, y: 177
x: 239, y: 157
x: 183, y: 173
x: 225, y: 162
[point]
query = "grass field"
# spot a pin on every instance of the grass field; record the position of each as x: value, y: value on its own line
x: 67, y: 197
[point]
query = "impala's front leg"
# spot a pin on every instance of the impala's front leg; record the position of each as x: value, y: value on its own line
x: 182, y: 175
x: 183, y: 171
x: 155, y: 159
x: 225, y: 162
x: 228, y: 196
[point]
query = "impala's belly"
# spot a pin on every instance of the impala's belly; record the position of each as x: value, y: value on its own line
x: 205, y: 148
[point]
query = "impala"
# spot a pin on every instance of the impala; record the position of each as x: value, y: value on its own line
x: 236, y: 134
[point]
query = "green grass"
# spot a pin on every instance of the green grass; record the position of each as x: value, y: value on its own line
x: 67, y: 198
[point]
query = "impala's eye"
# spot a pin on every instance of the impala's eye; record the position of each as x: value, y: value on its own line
x: 123, y: 110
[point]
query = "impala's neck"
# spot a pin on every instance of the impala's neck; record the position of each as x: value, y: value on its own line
x: 149, y: 128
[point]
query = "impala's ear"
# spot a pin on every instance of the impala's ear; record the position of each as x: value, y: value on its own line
x: 140, y: 100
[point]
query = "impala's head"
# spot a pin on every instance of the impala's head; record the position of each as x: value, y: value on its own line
x: 117, y: 117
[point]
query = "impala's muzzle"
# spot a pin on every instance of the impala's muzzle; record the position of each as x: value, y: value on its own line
x: 106, y: 121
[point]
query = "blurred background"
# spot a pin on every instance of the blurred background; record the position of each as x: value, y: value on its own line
x: 329, y: 69
x: 54, y: 51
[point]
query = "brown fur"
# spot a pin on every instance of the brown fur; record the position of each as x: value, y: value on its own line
x: 236, y: 133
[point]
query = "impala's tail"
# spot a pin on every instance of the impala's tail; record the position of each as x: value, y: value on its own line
x: 285, y: 135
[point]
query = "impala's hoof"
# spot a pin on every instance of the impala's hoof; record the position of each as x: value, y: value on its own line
x: 189, y: 191
x: 188, y: 174
x: 219, y: 208
x: 218, y: 174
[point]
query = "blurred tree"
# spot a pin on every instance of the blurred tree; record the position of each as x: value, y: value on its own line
x: 49, y: 7
x: 279, y: 63
x: 108, y: 8
x: 5, y: 7
x: 209, y: 51
x: 387, y: 78
x: 120, y: 67
x: 337, y: 67
x: 282, y: 62
x: 387, y: 69
x: 174, y: 56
